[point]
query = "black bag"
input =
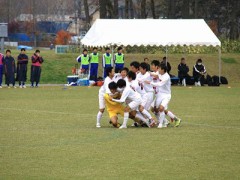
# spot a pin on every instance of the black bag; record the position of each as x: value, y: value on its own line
x: 215, y: 81
x: 190, y: 80
x: 223, y: 80
x: 209, y: 80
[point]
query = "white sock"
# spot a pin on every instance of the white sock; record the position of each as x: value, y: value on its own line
x: 171, y: 115
x: 125, y: 118
x: 140, y: 116
x: 99, y: 116
x: 146, y: 113
x: 162, y: 117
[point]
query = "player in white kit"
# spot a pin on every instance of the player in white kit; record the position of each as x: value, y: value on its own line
x: 155, y: 78
x: 104, y: 89
x: 164, y: 94
x: 127, y: 95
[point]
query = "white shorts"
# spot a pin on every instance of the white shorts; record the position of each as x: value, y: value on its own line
x: 147, y: 99
x: 101, y: 101
x: 163, y: 100
x: 134, y: 105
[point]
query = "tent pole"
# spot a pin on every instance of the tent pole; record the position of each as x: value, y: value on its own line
x: 219, y: 62
x: 166, y: 55
x: 113, y: 63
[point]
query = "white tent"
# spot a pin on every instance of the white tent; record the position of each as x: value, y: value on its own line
x: 153, y: 32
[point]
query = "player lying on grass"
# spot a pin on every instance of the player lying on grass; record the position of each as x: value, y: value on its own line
x: 155, y: 78
x: 163, y: 96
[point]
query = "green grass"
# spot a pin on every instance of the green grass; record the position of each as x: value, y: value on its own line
x: 57, y: 67
x: 49, y: 133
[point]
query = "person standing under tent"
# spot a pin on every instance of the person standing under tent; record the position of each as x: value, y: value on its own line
x: 9, y: 69
x: 37, y: 61
x: 22, y: 62
x: 94, y: 60
x: 119, y: 60
x: 106, y: 61
x: 1, y: 68
x: 84, y: 60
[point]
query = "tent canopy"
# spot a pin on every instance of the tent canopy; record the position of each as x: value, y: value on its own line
x: 153, y: 32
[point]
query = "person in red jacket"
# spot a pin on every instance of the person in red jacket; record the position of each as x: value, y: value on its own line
x: 37, y: 61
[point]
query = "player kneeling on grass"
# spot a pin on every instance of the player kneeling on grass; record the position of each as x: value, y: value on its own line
x: 113, y: 108
x: 127, y: 94
x: 164, y: 96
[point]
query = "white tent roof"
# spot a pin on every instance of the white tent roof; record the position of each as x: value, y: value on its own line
x: 153, y: 32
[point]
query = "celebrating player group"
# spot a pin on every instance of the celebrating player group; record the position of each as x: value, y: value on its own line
x: 133, y: 94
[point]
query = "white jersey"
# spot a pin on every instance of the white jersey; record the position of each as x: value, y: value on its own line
x: 118, y: 76
x: 134, y: 84
x: 104, y: 88
x: 155, y: 80
x: 145, y: 77
x: 129, y: 95
x: 164, y: 84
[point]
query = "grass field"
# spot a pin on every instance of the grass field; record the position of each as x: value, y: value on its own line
x: 49, y: 133
x: 57, y: 66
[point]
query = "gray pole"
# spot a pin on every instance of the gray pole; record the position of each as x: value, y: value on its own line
x: 2, y: 44
x: 219, y: 62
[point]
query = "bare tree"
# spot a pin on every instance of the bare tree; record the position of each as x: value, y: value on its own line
x: 171, y: 8
x: 85, y: 2
x: 115, y: 9
x: 126, y: 9
x: 131, y: 9
x: 103, y: 9
x: 185, y: 9
x: 153, y: 9
x: 143, y: 9
x: 234, y: 34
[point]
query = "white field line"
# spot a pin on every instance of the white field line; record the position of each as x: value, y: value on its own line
x: 105, y: 115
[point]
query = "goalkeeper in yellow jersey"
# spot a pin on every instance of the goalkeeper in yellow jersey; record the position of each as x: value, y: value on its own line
x: 114, y: 108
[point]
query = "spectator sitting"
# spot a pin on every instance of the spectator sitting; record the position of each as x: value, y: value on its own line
x: 183, y: 70
x: 198, y: 73
x: 165, y: 61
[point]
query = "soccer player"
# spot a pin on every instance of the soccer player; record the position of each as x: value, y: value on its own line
x: 113, y: 108
x: 122, y: 75
x: 119, y: 60
x: 155, y: 78
x: 164, y: 95
x: 22, y: 62
x: 9, y: 69
x: 107, y: 61
x: 37, y: 61
x: 84, y: 60
x: 127, y: 94
x: 137, y: 88
x: 104, y: 89
x: 134, y: 67
x: 1, y: 68
x: 94, y: 59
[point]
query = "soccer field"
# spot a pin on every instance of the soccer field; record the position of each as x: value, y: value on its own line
x: 50, y: 133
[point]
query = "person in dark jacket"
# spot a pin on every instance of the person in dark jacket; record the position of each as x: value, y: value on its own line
x: 37, y: 61
x: 165, y: 61
x: 146, y: 60
x: 198, y: 73
x: 9, y: 69
x: 22, y: 62
x: 183, y: 70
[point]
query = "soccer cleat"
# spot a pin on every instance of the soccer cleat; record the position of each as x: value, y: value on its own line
x: 123, y: 127
x: 0, y: 87
x: 166, y: 122
x: 14, y: 87
x: 20, y: 87
x: 24, y: 86
x: 177, y: 122
x: 98, y: 125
